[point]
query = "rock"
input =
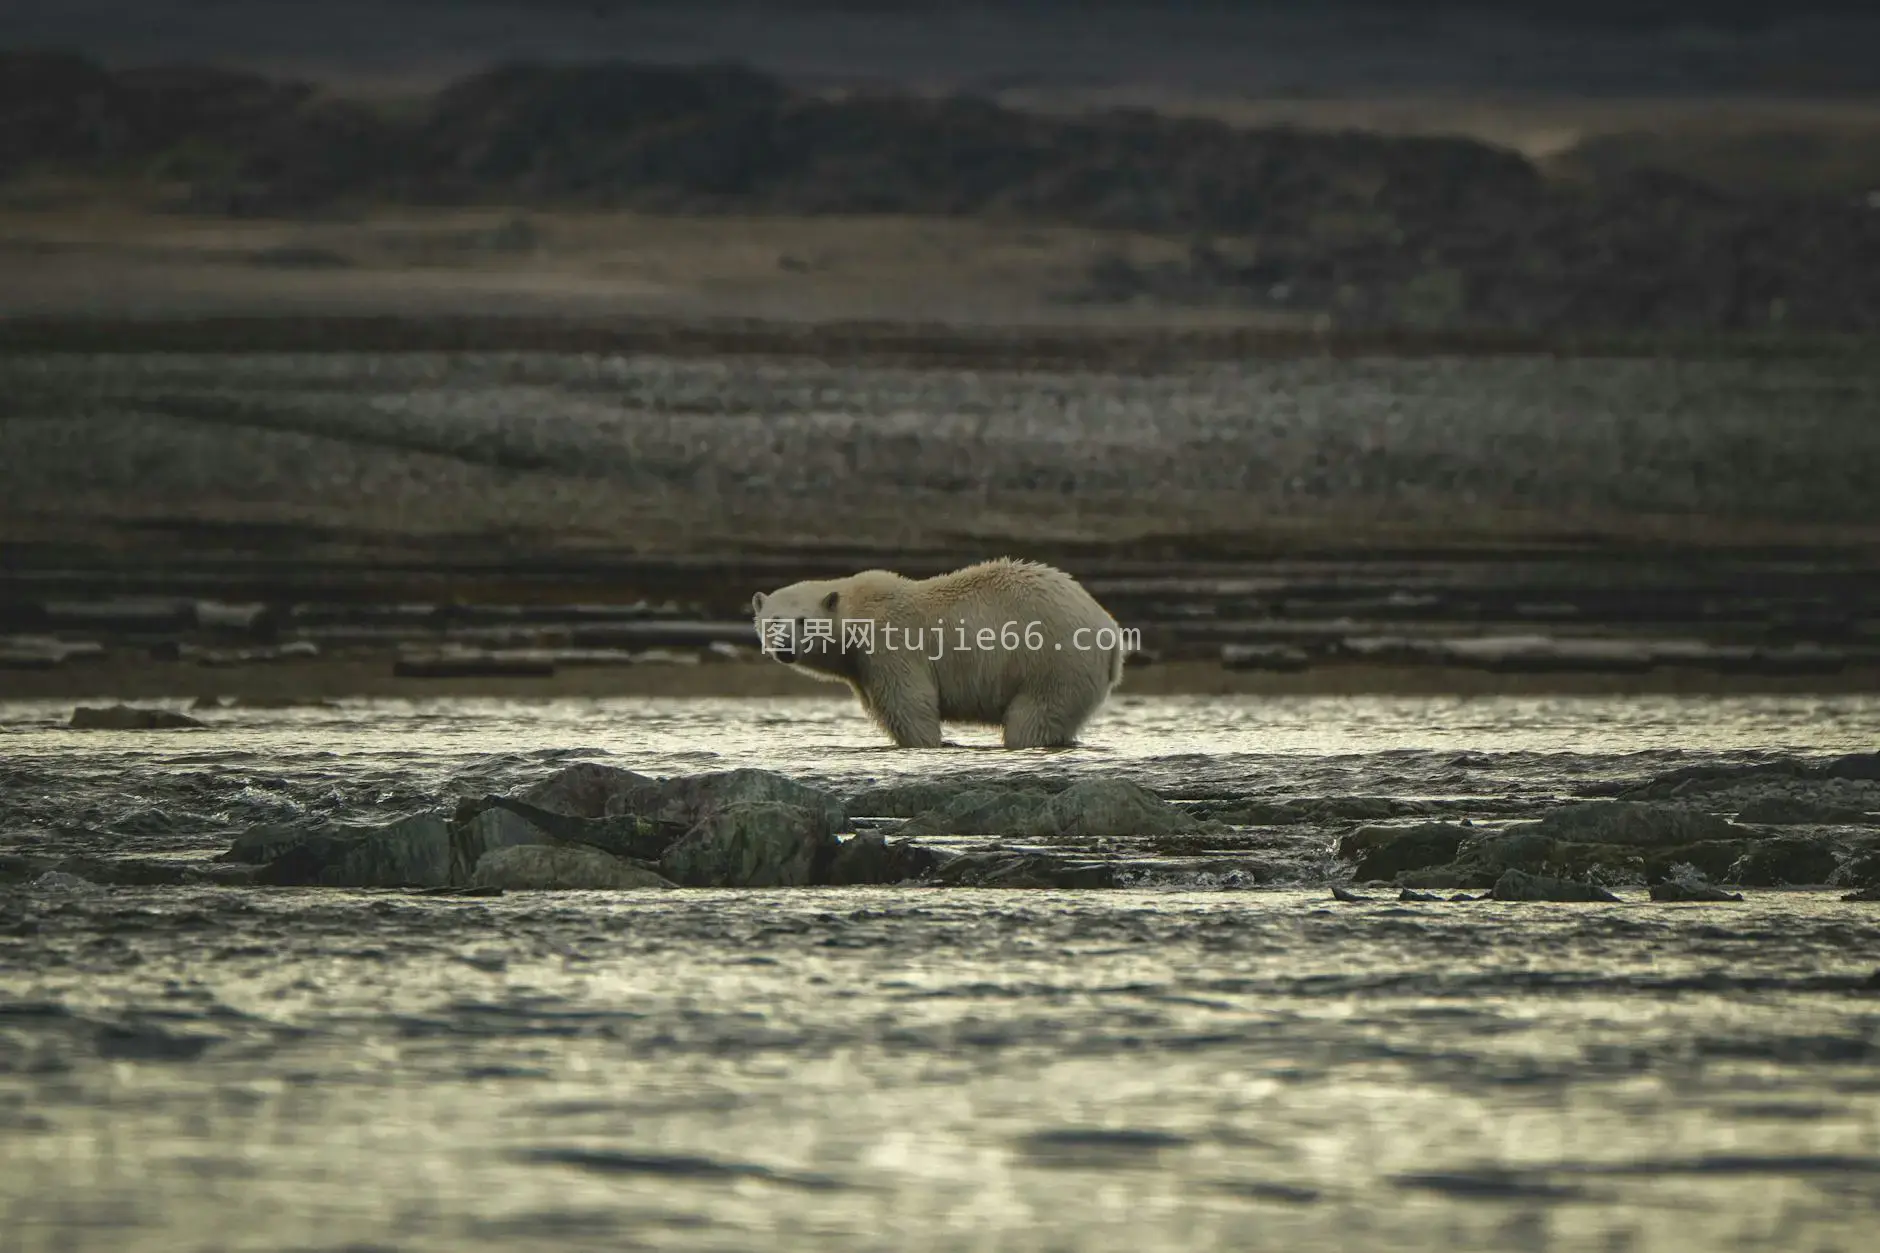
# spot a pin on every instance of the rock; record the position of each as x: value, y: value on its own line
x: 488, y: 831
x: 1863, y: 871
x: 1631, y: 822
x: 1023, y: 870
x: 1088, y: 809
x: 261, y: 844
x: 1781, y: 811
x: 129, y: 718
x: 623, y: 835
x: 546, y: 867
x: 59, y: 881
x: 1347, y: 895
x: 1672, y: 890
x: 1111, y: 808
x: 413, y: 852
x: 1012, y: 812
x: 1516, y: 885
x: 1865, y: 895
x: 755, y: 844
x: 870, y: 858
x: 687, y: 801
x: 1865, y: 766
x: 1408, y: 895
x: 904, y: 800
x: 584, y: 790
x: 1388, y: 852
x: 1793, y: 861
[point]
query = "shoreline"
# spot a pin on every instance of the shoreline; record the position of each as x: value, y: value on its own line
x: 1142, y: 343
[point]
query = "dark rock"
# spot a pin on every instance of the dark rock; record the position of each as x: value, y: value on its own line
x: 1408, y: 895
x: 902, y: 800
x: 1790, y: 811
x: 1861, y: 871
x: 1088, y: 809
x: 1514, y: 885
x: 584, y: 790
x: 1023, y: 870
x: 623, y: 835
x: 1629, y: 822
x: 1111, y: 808
x: 1864, y: 766
x: 1020, y: 813
x: 259, y: 845
x: 687, y: 801
x: 413, y: 852
x: 129, y: 718
x: 544, y: 867
x: 1388, y: 852
x: 755, y: 844
x: 870, y: 858
x: 1346, y: 894
x: 1675, y: 891
x: 1793, y: 861
x: 1865, y: 895
x: 59, y: 881
x: 1697, y: 780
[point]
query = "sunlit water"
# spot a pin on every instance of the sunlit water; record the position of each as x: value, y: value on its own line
x: 908, y: 1069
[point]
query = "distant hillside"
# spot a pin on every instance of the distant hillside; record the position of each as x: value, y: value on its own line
x: 1366, y: 229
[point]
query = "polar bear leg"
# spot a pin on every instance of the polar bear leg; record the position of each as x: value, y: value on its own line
x: 1034, y: 723
x: 907, y: 705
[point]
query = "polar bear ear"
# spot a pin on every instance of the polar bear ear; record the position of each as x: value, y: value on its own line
x: 757, y: 603
x: 829, y: 601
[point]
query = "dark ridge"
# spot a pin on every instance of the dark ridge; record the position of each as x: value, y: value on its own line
x: 1358, y: 229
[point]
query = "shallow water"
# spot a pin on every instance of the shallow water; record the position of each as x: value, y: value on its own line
x: 218, y: 1068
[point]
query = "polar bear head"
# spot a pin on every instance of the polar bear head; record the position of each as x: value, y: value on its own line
x: 801, y: 625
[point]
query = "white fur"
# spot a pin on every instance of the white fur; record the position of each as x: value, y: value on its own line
x: 1042, y: 696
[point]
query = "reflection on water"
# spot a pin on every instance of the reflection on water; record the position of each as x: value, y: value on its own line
x: 907, y: 1069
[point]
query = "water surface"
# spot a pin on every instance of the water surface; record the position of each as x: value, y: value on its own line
x: 908, y: 1068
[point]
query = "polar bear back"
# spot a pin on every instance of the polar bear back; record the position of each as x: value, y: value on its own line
x: 1006, y: 628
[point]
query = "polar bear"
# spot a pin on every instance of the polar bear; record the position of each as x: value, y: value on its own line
x: 1006, y: 643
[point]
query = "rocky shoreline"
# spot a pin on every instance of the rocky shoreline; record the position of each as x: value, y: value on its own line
x: 1686, y: 835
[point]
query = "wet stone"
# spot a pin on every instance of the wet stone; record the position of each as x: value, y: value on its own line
x: 545, y: 867
x: 1791, y: 861
x: 871, y: 858
x: 1631, y: 822
x: 1516, y: 885
x: 758, y: 844
x: 413, y: 852
x: 1386, y: 852
x: 1861, y: 871
x: 585, y: 790
x: 1111, y: 808
x: 1089, y: 809
x: 691, y: 799
x: 1018, y: 813
x: 130, y: 718
x: 1794, y: 811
